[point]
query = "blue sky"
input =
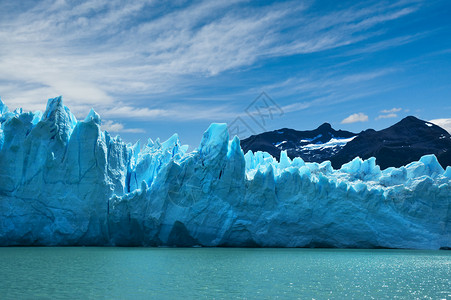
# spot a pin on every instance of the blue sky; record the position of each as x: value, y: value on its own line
x: 151, y: 69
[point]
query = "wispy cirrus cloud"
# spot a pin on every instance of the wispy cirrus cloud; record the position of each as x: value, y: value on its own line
x: 328, y: 88
x: 386, y: 116
x: 179, y: 112
x: 96, y: 53
x: 386, y: 44
x: 389, y: 113
x: 111, y: 126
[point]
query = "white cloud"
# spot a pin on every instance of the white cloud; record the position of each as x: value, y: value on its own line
x: 391, y: 111
x: 296, y: 107
x: 94, y: 53
x: 358, y: 117
x: 387, y: 44
x: 328, y: 87
x: 387, y: 116
x: 111, y: 126
x: 444, y: 123
x: 174, y: 113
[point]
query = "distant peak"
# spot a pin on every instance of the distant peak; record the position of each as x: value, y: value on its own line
x: 325, y: 126
x: 410, y: 119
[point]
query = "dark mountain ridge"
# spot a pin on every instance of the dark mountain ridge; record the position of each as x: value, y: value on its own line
x: 397, y: 145
x: 295, y: 142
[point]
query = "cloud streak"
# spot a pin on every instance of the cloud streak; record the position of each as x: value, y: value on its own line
x: 111, y: 126
x: 177, y: 113
x: 389, y: 113
x: 387, y: 116
x: 100, y: 52
x: 328, y: 88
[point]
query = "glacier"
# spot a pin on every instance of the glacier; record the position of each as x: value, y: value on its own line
x: 66, y: 182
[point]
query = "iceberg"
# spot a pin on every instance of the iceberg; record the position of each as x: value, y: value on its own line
x: 66, y: 182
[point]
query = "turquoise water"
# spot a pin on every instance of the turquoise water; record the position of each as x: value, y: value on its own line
x: 190, y: 273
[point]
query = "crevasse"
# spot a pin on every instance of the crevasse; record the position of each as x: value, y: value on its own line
x: 65, y: 182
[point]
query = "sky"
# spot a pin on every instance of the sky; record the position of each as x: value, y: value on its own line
x: 155, y: 68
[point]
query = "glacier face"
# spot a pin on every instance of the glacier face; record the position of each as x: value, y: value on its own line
x: 65, y: 182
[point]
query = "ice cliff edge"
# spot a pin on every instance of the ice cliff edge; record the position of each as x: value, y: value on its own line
x: 65, y: 182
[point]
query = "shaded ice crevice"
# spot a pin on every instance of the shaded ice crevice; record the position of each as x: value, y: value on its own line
x: 65, y: 182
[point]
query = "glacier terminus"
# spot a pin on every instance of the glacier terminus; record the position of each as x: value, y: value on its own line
x: 65, y: 182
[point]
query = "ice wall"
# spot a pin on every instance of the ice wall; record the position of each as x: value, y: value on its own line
x: 65, y: 182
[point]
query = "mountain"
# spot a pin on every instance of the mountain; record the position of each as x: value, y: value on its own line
x: 66, y: 182
x: 311, y: 145
x: 398, y: 145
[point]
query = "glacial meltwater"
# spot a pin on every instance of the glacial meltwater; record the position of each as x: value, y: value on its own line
x: 192, y: 273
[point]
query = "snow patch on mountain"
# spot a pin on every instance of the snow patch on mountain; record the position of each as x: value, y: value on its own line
x: 336, y: 143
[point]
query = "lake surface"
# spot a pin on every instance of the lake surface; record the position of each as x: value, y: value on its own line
x: 192, y: 273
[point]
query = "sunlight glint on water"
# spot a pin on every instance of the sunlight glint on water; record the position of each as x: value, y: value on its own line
x: 136, y: 273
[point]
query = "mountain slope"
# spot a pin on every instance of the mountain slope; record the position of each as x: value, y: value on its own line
x: 398, y: 145
x: 311, y: 145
